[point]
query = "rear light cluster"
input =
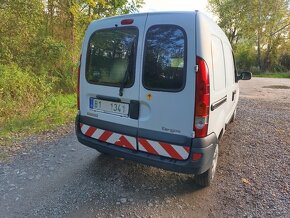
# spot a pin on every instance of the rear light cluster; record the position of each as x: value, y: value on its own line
x: 78, y: 85
x: 202, y: 99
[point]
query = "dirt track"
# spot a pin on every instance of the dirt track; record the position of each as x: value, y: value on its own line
x: 61, y: 178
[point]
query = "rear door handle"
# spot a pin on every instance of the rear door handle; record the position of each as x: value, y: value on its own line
x: 218, y: 103
x: 233, y: 95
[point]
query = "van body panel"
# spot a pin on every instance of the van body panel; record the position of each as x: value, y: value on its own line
x: 203, y: 45
x: 231, y: 86
x: 93, y: 90
x: 209, y: 36
x: 165, y: 110
x: 138, y: 87
x: 205, y: 146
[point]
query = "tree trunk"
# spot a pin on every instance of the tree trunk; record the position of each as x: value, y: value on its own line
x: 259, y: 38
x: 50, y: 20
x: 259, y: 50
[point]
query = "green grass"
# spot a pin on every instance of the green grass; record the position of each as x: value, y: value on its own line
x: 55, y: 111
x: 3, y: 156
x: 274, y: 75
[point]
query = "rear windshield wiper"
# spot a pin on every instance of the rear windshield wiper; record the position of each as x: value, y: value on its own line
x: 129, y: 68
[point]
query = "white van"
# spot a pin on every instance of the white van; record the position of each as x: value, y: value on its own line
x: 158, y: 88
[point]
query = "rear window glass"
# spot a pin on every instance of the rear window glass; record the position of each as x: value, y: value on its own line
x: 111, y: 56
x: 164, y: 58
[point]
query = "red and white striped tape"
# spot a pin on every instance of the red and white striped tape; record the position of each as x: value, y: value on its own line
x: 153, y: 147
x: 109, y: 137
x: 163, y: 149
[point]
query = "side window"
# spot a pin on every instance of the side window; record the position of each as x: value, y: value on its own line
x: 164, y: 66
x: 230, y: 67
x: 218, y: 64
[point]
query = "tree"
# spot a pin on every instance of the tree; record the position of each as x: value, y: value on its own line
x: 40, y: 33
x: 231, y: 17
x: 68, y: 19
x: 263, y: 25
x: 20, y: 23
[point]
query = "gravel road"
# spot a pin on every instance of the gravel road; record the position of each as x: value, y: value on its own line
x: 55, y: 176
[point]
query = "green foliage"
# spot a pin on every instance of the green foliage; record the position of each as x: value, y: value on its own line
x: 262, y: 25
x: 285, y: 60
x: 273, y: 75
x: 47, y: 35
x: 20, y: 22
x: 50, y: 55
x: 245, y: 56
x: 20, y: 91
x: 49, y: 114
x: 40, y: 43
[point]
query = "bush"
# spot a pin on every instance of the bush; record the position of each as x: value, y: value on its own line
x: 20, y: 92
x: 52, y: 58
x: 48, y: 54
x: 245, y: 57
x: 285, y: 61
x: 66, y: 82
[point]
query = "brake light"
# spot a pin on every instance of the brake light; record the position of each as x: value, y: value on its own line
x: 127, y: 21
x: 202, y: 99
x: 78, y: 85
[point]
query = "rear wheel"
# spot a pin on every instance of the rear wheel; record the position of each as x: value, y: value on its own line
x: 102, y: 153
x: 233, y: 118
x: 206, y: 178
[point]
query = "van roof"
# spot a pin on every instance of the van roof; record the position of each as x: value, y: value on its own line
x: 215, y: 29
x: 153, y: 12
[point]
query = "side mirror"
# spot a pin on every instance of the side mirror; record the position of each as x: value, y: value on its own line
x: 245, y: 76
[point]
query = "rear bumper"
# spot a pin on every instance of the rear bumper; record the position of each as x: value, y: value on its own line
x: 206, y: 146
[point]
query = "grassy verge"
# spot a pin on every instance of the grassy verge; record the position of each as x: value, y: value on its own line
x: 274, y: 75
x: 55, y: 111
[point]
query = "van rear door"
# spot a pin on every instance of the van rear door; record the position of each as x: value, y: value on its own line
x: 110, y: 78
x: 168, y: 85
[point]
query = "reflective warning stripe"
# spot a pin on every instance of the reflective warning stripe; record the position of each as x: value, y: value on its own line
x: 109, y: 137
x: 153, y: 147
x: 145, y: 146
x: 164, y: 149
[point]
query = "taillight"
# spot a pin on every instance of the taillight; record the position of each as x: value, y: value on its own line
x: 202, y: 99
x: 78, y: 85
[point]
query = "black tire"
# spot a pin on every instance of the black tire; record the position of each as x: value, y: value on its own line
x: 234, y: 116
x: 102, y: 153
x: 205, y: 179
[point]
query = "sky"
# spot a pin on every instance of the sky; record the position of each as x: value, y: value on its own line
x: 175, y: 5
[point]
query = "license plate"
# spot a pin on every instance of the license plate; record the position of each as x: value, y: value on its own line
x: 109, y: 106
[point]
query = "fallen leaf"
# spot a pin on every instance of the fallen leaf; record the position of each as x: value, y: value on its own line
x: 245, y: 181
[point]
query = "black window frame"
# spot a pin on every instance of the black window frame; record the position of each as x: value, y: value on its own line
x: 134, y: 61
x: 184, y: 64
x: 236, y: 70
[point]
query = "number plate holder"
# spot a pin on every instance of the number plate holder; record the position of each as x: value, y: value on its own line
x: 111, y: 107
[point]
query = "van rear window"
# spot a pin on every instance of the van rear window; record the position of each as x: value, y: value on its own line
x: 111, y: 56
x: 164, y: 59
